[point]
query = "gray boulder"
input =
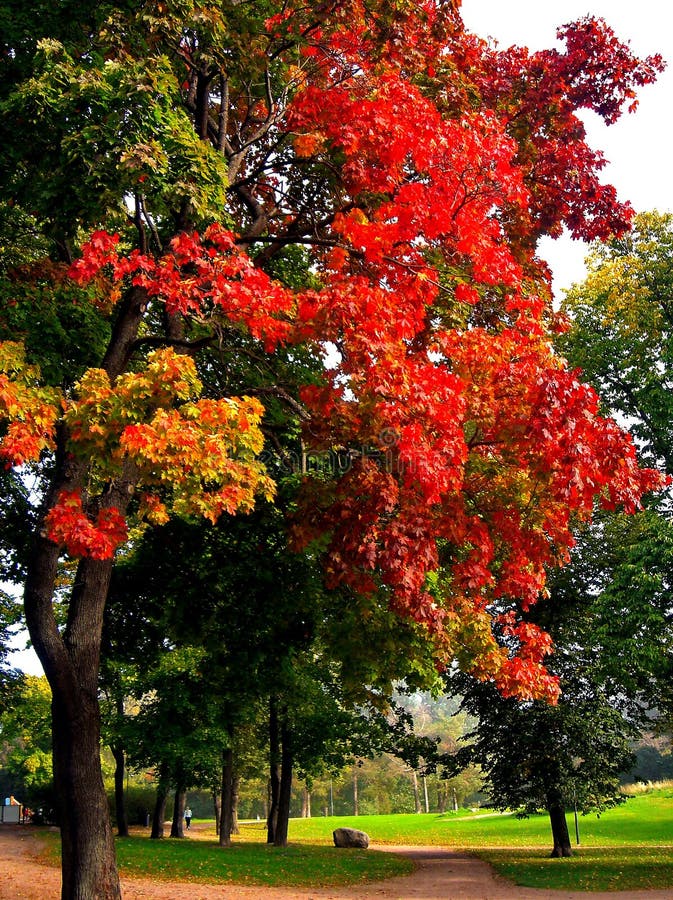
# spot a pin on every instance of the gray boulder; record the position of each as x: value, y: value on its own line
x: 350, y: 837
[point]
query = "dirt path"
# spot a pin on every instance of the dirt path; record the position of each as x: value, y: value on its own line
x: 440, y: 874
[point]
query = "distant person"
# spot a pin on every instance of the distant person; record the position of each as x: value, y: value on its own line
x: 188, y: 817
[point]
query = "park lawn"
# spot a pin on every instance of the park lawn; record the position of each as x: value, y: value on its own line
x: 203, y: 860
x: 643, y: 820
x: 636, y: 868
x: 627, y: 848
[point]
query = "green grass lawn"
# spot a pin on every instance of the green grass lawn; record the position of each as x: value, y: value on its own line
x: 247, y: 862
x: 646, y: 820
x: 628, y: 848
x: 305, y: 865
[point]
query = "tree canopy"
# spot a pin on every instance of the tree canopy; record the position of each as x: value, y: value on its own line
x: 163, y: 164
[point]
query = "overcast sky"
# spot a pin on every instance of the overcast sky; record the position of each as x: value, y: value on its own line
x: 638, y: 147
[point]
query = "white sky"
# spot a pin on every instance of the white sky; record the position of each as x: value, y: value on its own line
x: 638, y: 146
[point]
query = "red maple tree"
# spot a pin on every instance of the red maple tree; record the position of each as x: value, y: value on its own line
x: 418, y: 167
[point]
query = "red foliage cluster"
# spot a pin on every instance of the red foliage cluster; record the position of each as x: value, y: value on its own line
x: 197, y: 275
x: 67, y: 523
x: 472, y: 447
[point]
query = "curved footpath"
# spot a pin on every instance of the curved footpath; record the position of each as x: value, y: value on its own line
x: 441, y: 874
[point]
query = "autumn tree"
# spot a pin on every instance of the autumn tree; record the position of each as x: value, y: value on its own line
x: 196, y: 143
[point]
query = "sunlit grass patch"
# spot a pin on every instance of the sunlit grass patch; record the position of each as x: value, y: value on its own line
x: 254, y: 863
x: 589, y: 869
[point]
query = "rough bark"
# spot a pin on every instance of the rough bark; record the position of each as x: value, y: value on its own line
x: 356, y: 794
x: 71, y: 662
x: 559, y: 824
x: 285, y: 787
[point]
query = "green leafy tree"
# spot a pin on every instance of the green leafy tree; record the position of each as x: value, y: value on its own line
x: 311, y: 654
x: 621, y: 330
x: 537, y: 756
x: 25, y: 740
x: 621, y: 336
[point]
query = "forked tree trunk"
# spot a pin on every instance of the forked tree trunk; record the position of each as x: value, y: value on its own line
x: 559, y: 824
x: 71, y: 660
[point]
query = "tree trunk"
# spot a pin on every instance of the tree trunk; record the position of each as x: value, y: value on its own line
x: 87, y: 846
x: 178, y: 823
x: 426, y: 800
x: 217, y: 804
x: 559, y: 824
x: 235, y: 796
x: 274, y: 771
x: 285, y: 790
x: 226, y: 805
x: 120, y: 799
x: 417, y: 798
x: 356, y: 794
x: 159, y: 816
x: 305, y: 803
x: 70, y: 661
